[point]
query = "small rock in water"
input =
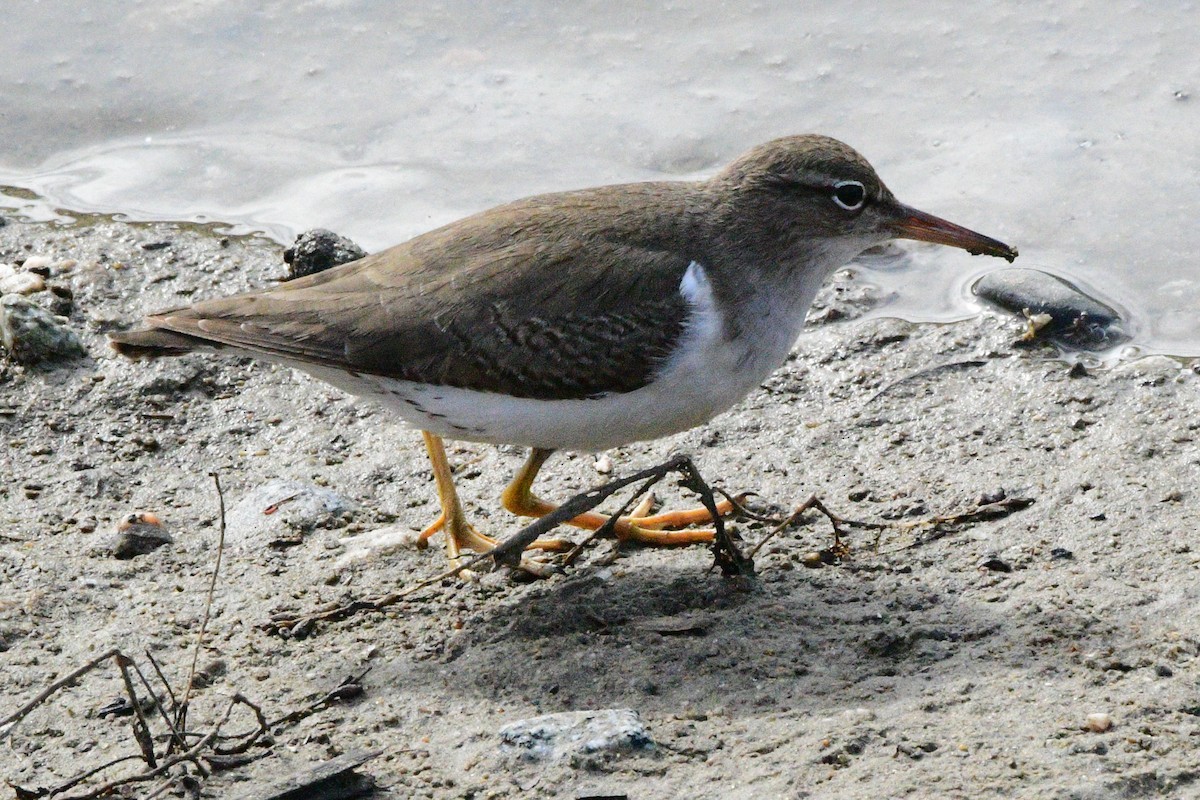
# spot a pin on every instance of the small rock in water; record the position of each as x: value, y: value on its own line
x: 139, y: 534
x: 318, y: 250
x: 32, y: 335
x: 575, y: 734
x: 1075, y: 319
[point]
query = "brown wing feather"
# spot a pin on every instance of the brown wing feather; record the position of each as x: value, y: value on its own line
x: 481, y: 304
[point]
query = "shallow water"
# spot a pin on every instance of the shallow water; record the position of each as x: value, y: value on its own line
x: 1070, y: 134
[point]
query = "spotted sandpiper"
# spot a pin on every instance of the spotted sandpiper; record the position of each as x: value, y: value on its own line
x: 580, y: 320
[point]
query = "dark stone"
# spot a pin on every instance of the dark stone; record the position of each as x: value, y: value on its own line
x: 318, y: 250
x: 1061, y: 554
x: 131, y: 545
x: 137, y: 535
x: 62, y: 300
x: 1077, y: 319
x: 33, y: 335
x: 996, y: 565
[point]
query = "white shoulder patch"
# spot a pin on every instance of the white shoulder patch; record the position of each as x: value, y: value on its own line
x: 695, y: 287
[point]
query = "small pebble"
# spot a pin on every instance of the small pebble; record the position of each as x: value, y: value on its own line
x: 813, y: 560
x: 22, y: 283
x: 603, y: 465
x: 995, y: 565
x: 138, y: 534
x: 36, y: 262
x: 1098, y: 723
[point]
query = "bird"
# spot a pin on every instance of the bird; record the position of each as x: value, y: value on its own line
x: 578, y: 320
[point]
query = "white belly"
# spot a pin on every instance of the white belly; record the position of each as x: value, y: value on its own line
x: 707, y: 375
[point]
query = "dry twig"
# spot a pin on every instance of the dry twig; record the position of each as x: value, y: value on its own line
x: 207, y: 745
x: 182, y: 709
x: 9, y: 723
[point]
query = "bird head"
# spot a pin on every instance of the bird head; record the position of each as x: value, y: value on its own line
x: 820, y: 194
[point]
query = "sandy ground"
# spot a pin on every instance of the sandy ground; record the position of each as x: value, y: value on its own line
x: 960, y: 661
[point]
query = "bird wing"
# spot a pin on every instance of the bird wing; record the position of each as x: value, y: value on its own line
x: 514, y: 301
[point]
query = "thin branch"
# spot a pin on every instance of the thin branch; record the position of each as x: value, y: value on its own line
x: 349, y: 687
x: 252, y: 736
x: 610, y: 524
x: 212, y: 585
x: 141, y: 730
x: 726, y: 554
x: 192, y: 754
x: 9, y: 723
x: 163, y: 678
x: 175, y: 739
x: 75, y: 780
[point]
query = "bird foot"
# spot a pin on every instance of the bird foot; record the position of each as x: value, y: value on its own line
x: 467, y: 537
x: 671, y: 528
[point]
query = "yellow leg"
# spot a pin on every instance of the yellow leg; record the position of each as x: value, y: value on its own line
x: 460, y: 534
x: 520, y: 500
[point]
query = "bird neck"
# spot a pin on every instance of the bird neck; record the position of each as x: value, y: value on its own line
x: 759, y: 269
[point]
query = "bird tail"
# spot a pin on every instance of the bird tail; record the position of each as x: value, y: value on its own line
x: 154, y: 343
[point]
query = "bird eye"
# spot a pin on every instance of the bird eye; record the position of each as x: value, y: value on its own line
x: 850, y: 195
